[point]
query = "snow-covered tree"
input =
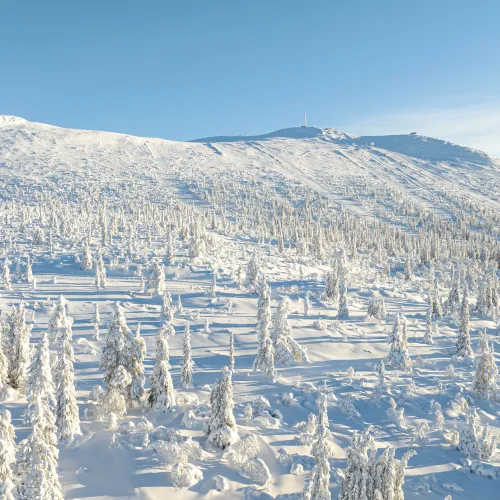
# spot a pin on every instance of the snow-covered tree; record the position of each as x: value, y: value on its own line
x: 343, y: 311
x: 4, y: 362
x: 437, y: 412
x: 169, y: 253
x: 86, y: 263
x: 286, y: 350
x: 39, y: 381
x: 221, y: 428
x: 7, y: 454
x: 60, y: 322
x: 6, y: 276
x: 156, y: 279
x: 18, y: 350
x: 463, y: 343
x: 376, y: 309
x: 381, y: 386
x: 475, y: 441
x: 253, y: 271
x: 429, y: 327
x: 38, y: 470
x: 100, y: 272
x: 187, y: 364
x: 307, y: 303
x: 408, y: 269
x: 161, y: 396
x: 318, y: 484
x: 121, y: 349
x: 167, y: 312
x: 485, y: 384
x: 136, y: 356
x: 372, y: 477
x: 398, y: 355
x: 29, y: 272
x: 264, y: 360
x: 67, y: 415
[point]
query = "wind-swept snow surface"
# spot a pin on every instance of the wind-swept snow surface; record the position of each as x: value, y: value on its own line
x: 350, y: 264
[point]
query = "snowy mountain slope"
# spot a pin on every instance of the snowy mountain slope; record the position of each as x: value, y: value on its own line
x: 120, y: 193
x: 425, y: 167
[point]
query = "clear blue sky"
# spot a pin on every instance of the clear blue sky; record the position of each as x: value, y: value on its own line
x: 186, y: 69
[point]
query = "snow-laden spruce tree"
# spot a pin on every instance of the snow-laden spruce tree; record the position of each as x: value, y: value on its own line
x: 86, y: 263
x: 437, y: 412
x: 17, y: 347
x: 253, y: 271
x: 307, y: 303
x: 453, y: 301
x: 463, y: 343
x: 221, y: 427
x: 408, y: 269
x: 38, y: 471
x: 331, y: 293
x: 476, y: 441
x: 7, y: 454
x: 381, y: 386
x: 437, y: 310
x: 39, y: 382
x: 187, y: 363
x: 167, y: 312
x: 156, y: 279
x: 343, y: 312
x: 97, y: 319
x: 100, y: 272
x: 372, y: 477
x: 429, y: 327
x: 286, y: 350
x: 67, y: 415
x: 4, y: 362
x: 264, y: 360
x: 136, y: 355
x: 60, y: 322
x: 231, y: 350
x: 169, y: 251
x: 376, y: 309
x: 318, y: 484
x: 398, y: 355
x: 485, y: 380
x: 29, y: 272
x: 6, y: 276
x: 161, y: 396
x: 213, y: 289
x: 120, y: 349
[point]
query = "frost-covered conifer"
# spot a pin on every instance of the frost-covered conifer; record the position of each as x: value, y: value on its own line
x: 221, y: 428
x: 318, y: 484
x: 4, y: 362
x: 307, y: 303
x: 161, y: 395
x: 286, y: 350
x: 475, y: 441
x: 180, y: 308
x: 398, y: 355
x: 169, y: 254
x: 17, y: 347
x: 429, y: 327
x: 136, y: 356
x: 38, y: 471
x: 369, y: 477
x: 453, y: 302
x: 39, y: 382
x: 100, y: 272
x: 485, y: 384
x: 67, y: 415
x: 376, y: 309
x: 438, y: 415
x: 120, y: 349
x: 381, y: 386
x: 463, y: 344
x: 264, y: 360
x: 60, y: 322
x: 7, y: 454
x: 343, y: 312
x: 29, y: 272
x: 6, y: 276
x: 86, y: 263
x: 437, y: 310
x: 187, y: 364
x: 167, y: 312
x: 156, y: 279
x: 253, y: 271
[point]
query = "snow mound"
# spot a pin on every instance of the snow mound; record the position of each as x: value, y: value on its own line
x: 7, y: 120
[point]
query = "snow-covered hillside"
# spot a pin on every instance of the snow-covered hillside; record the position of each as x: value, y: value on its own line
x: 368, y: 246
